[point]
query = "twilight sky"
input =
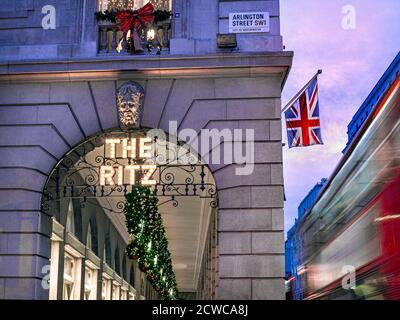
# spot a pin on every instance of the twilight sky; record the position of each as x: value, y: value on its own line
x: 352, y: 60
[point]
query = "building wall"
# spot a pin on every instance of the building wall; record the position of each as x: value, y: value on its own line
x: 345, y: 205
x: 195, y: 28
x: 40, y: 120
x: 68, y: 93
x: 373, y: 98
x: 290, y: 264
x: 22, y: 35
x: 296, y: 244
x: 200, y: 21
x: 310, y: 199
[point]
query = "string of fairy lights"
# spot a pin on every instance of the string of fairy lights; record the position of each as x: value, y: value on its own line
x: 149, y: 245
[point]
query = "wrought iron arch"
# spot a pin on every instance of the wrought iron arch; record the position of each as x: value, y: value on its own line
x: 76, y: 175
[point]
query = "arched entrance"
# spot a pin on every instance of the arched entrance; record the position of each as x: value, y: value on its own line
x: 87, y: 189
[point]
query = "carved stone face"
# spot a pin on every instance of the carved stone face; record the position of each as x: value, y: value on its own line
x: 129, y: 103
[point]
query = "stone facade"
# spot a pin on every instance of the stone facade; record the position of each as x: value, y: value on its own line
x: 48, y: 106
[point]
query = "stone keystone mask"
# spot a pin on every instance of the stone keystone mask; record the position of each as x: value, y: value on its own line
x: 130, y: 104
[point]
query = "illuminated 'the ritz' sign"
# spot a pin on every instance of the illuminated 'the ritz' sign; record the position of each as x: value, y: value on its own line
x: 133, y: 151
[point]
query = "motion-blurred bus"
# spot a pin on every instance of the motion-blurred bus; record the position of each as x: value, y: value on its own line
x: 370, y: 245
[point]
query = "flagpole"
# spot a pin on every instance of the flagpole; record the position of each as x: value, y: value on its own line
x: 300, y: 92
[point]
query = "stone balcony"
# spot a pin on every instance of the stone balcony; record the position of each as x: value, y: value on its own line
x: 78, y: 34
x: 153, y: 40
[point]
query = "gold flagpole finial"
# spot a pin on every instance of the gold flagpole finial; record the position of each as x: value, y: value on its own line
x: 300, y: 92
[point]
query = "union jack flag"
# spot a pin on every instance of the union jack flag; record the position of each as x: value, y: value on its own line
x: 302, y: 118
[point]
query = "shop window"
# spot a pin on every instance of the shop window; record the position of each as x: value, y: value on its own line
x: 89, y: 238
x: 92, y: 233
x: 117, y: 266
x: 74, y: 219
x: 124, y: 295
x: 106, y: 288
x: 132, y: 296
x: 132, y: 277
x: 142, y: 284
x: 72, y: 274
x: 70, y: 225
x: 107, y: 250
x: 54, y: 266
x: 69, y: 277
x: 115, y: 291
x: 90, y: 282
x: 77, y: 218
x: 124, y: 268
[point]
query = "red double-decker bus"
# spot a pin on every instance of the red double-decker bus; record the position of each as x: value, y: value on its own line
x: 360, y: 256
x: 370, y: 246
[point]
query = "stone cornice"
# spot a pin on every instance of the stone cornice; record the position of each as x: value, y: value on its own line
x: 148, y: 67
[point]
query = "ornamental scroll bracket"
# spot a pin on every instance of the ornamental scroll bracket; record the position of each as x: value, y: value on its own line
x: 129, y: 99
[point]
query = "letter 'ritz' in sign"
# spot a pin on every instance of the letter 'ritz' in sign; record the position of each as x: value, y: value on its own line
x: 120, y: 174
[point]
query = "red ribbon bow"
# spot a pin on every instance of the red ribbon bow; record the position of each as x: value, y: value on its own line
x: 128, y: 20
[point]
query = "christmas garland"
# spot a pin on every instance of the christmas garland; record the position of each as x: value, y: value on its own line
x: 110, y: 15
x: 149, y: 245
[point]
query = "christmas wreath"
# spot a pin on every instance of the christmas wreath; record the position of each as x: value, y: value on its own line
x: 134, y: 21
x: 149, y: 245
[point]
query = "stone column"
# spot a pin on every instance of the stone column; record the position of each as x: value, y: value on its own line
x: 250, y: 228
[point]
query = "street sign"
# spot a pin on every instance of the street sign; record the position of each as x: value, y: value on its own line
x: 249, y: 22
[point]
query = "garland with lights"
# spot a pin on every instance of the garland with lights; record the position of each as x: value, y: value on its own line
x: 149, y: 245
x: 134, y: 21
x: 110, y: 15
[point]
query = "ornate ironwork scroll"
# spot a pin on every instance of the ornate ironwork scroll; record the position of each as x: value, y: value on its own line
x: 78, y: 174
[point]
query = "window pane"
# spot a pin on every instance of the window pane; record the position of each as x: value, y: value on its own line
x: 88, y: 277
x: 89, y: 238
x: 105, y: 289
x: 70, y: 219
x: 115, y: 292
x: 69, y: 266
x: 67, y: 294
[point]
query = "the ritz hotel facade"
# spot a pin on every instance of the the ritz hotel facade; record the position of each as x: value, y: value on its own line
x: 71, y: 81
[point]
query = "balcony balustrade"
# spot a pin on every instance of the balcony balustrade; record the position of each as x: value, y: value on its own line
x: 152, y: 40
